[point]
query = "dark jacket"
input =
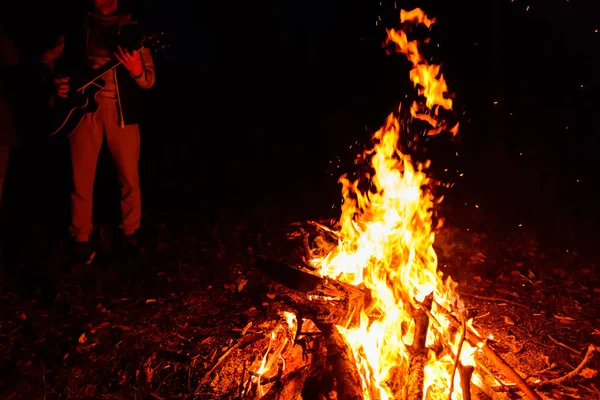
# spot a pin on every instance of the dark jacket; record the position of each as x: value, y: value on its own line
x: 70, y: 58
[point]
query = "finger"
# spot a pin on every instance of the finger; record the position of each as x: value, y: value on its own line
x: 129, y: 56
x: 124, y: 53
x: 120, y: 58
x: 120, y: 54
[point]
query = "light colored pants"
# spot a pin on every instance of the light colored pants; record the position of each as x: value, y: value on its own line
x: 124, y: 145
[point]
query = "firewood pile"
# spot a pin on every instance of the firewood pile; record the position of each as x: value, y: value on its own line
x: 298, y: 352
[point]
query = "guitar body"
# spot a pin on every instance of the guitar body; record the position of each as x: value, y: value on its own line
x: 69, y: 112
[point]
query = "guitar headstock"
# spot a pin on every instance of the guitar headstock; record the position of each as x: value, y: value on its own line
x: 156, y: 42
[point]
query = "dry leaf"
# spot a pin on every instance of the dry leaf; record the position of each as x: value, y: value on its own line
x: 546, y: 359
x: 508, y: 292
x: 508, y: 321
x: 101, y: 326
x: 122, y: 327
x: 149, y: 374
x: 516, y: 347
x: 82, y: 338
x: 248, y: 325
x: 241, y: 284
x: 229, y: 286
x: 564, y: 320
x: 588, y: 373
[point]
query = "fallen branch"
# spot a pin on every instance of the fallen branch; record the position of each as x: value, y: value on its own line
x: 588, y: 356
x: 543, y: 371
x: 498, y: 299
x: 564, y: 345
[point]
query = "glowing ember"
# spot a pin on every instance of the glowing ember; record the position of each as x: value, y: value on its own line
x: 386, y: 245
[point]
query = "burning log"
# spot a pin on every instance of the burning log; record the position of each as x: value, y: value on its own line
x: 465, y: 380
x: 416, y: 371
x: 324, y: 300
x: 327, y: 302
x: 341, y: 359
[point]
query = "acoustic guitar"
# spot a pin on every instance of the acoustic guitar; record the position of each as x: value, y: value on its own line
x: 68, y: 112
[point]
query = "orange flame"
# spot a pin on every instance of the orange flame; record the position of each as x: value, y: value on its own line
x: 426, y: 77
x: 385, y: 244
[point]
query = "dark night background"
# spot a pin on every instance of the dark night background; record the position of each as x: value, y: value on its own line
x: 256, y: 101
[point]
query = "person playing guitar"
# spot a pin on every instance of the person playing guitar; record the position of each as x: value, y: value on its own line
x: 105, y: 34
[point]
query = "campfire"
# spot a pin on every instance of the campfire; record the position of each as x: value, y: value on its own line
x: 359, y: 308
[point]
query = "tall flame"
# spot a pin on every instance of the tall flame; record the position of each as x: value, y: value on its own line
x: 385, y: 244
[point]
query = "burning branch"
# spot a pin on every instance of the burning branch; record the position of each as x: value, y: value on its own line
x: 503, y: 366
x: 457, y: 364
x: 416, y: 371
x: 474, y: 339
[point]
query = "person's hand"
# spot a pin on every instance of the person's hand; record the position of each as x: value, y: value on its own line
x: 132, y: 61
x: 61, y: 83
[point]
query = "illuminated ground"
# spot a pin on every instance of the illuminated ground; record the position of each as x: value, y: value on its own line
x: 121, y: 331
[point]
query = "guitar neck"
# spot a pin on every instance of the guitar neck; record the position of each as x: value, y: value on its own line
x: 97, y: 73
